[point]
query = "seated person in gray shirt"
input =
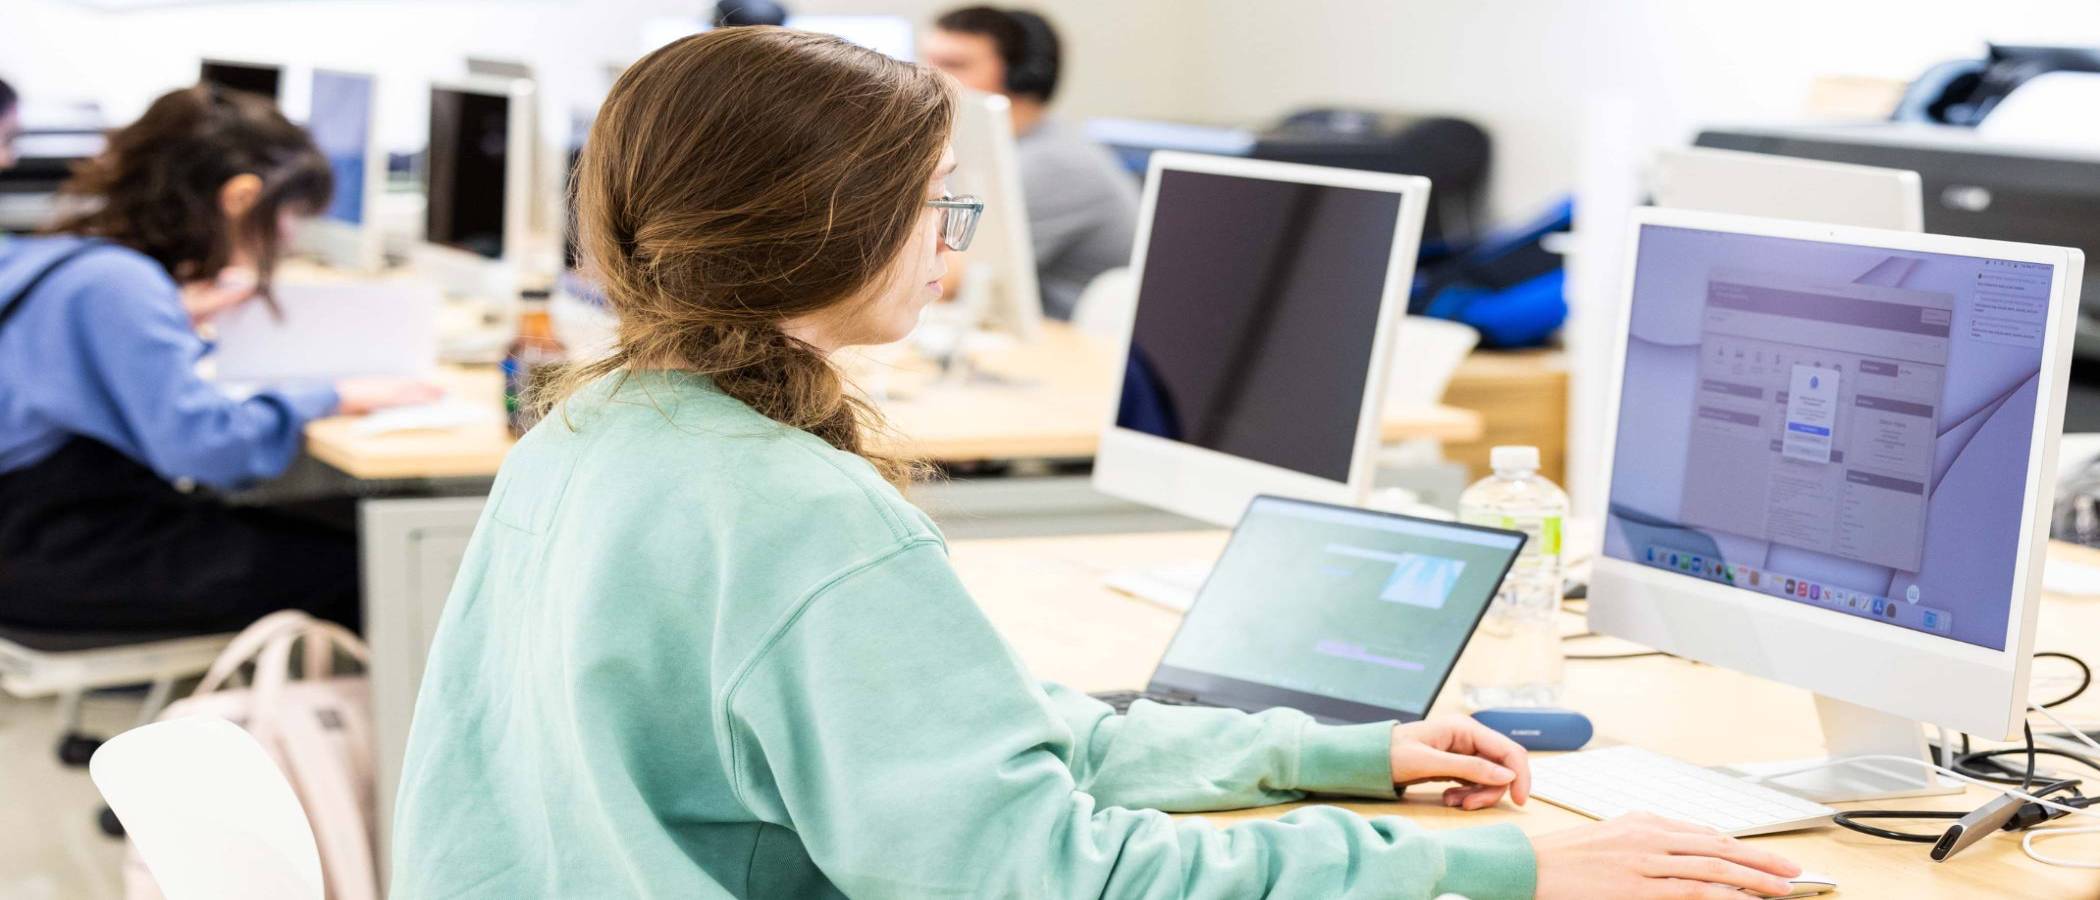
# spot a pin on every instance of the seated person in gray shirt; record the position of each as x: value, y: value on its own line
x: 1082, y: 206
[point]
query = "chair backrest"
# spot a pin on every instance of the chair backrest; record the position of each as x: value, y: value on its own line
x: 209, y: 813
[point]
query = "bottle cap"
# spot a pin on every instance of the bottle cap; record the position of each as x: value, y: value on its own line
x: 1503, y: 459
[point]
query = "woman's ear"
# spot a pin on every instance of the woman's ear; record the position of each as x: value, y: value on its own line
x: 238, y: 195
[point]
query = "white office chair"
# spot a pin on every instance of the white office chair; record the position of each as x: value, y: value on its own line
x: 208, y: 812
x: 75, y: 664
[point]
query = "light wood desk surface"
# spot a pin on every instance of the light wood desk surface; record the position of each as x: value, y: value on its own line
x: 1044, y: 400
x: 1045, y: 595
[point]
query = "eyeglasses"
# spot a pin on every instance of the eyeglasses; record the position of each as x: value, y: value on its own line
x: 959, y: 217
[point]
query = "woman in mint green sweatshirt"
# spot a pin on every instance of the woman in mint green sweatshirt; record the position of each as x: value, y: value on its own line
x: 702, y: 647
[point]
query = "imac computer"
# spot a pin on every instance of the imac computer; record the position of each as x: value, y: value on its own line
x: 998, y: 288
x: 1830, y: 466
x: 1780, y: 187
x: 341, y: 119
x: 262, y: 79
x: 478, y: 181
x: 1258, y: 347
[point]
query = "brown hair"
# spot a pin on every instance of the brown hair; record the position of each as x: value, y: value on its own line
x: 155, y: 186
x: 743, y: 177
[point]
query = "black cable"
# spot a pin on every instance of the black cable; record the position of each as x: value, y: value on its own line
x: 1983, y: 765
x: 2027, y: 780
x: 1849, y: 819
x: 2085, y: 678
x: 2029, y: 818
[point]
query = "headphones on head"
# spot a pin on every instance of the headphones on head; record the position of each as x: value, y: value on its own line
x: 1034, y: 70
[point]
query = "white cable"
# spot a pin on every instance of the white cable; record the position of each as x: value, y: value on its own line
x: 2060, y: 724
x: 2027, y: 844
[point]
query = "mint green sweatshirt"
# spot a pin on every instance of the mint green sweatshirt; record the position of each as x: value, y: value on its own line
x: 692, y: 653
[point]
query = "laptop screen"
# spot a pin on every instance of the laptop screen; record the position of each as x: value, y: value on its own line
x: 1344, y: 613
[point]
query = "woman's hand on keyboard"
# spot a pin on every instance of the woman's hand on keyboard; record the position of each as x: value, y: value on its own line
x: 1645, y: 857
x: 1485, y: 763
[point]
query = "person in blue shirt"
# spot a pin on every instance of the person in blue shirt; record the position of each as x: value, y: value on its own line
x: 104, y: 421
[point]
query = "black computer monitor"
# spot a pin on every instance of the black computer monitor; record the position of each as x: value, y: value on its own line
x: 261, y: 79
x: 468, y: 165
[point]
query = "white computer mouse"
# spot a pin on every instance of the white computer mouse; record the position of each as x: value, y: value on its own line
x: 1809, y: 884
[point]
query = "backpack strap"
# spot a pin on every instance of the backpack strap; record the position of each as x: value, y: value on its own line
x: 20, y: 298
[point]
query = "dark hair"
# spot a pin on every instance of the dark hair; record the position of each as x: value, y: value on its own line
x: 1026, y: 44
x: 155, y: 186
x: 7, y: 97
x: 744, y: 177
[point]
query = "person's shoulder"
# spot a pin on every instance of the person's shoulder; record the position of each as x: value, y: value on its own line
x: 1058, y: 154
x: 102, y: 262
x: 679, y: 437
x: 89, y: 281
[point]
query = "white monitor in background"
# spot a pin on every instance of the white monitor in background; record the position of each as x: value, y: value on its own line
x: 1781, y: 187
x: 998, y: 284
x: 1258, y: 346
x: 888, y: 35
x: 478, y: 178
x: 341, y: 117
x: 1830, y: 465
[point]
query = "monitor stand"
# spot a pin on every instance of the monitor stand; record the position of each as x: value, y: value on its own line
x: 1852, y: 730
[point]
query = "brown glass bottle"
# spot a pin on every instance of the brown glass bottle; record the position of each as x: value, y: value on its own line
x: 533, y: 354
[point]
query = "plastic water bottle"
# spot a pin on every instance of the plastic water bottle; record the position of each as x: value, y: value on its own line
x: 1515, y: 656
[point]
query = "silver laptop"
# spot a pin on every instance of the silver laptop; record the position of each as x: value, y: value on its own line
x: 1347, y: 614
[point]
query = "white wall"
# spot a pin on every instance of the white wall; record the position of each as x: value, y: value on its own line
x: 1125, y: 60
x: 1523, y: 68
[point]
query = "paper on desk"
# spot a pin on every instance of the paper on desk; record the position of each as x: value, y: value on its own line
x: 331, y: 331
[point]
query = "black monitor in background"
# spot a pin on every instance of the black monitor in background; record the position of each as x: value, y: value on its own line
x: 468, y: 164
x: 1973, y: 187
x: 1258, y: 308
x: 254, y: 78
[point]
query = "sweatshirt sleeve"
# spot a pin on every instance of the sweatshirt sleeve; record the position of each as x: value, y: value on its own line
x: 140, y: 387
x: 1192, y: 759
x: 887, y: 725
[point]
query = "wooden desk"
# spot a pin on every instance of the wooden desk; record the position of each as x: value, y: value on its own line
x: 1046, y: 597
x: 1046, y: 400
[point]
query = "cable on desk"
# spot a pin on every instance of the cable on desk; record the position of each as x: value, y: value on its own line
x: 1603, y: 656
x: 1850, y: 819
x: 2085, y: 677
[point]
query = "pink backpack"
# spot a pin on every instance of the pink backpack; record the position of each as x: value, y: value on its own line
x: 316, y: 728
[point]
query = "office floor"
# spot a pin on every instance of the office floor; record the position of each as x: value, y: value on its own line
x: 50, y: 845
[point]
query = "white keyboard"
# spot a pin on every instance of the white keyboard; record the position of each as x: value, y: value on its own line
x: 1614, y: 781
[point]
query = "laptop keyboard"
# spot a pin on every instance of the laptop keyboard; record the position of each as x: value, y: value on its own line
x: 1121, y: 700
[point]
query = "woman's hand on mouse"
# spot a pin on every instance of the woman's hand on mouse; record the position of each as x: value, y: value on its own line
x: 1646, y: 857
x: 1485, y: 764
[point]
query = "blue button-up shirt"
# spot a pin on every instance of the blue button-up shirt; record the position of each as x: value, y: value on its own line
x: 104, y: 350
